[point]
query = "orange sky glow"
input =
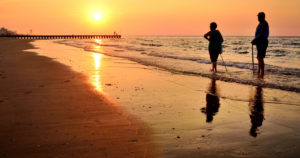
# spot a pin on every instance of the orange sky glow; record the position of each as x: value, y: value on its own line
x: 148, y: 17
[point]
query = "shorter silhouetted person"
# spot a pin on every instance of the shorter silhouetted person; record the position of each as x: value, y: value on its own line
x: 256, y: 111
x: 261, y: 42
x: 215, y: 44
x: 212, y: 102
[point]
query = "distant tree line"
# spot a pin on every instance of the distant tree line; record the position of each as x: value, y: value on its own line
x: 5, y: 32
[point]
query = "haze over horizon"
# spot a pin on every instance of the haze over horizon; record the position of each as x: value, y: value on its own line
x: 155, y: 17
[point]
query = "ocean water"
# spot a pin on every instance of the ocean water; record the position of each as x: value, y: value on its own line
x: 189, y: 56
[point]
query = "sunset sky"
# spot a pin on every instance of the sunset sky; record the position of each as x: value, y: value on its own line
x: 148, y: 17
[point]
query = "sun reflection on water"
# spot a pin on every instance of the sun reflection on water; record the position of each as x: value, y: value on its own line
x: 98, y: 48
x: 96, y: 78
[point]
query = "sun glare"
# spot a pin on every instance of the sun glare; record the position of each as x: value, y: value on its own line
x: 97, y: 16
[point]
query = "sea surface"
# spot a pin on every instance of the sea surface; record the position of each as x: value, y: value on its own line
x: 189, y: 55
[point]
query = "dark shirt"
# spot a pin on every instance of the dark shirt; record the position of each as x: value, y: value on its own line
x: 259, y: 28
x: 215, y: 40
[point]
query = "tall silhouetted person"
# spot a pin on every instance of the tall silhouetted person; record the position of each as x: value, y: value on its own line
x: 256, y: 111
x: 212, y: 102
x: 215, y: 44
x: 261, y: 41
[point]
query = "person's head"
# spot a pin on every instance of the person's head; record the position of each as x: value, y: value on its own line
x: 261, y: 16
x: 213, y: 26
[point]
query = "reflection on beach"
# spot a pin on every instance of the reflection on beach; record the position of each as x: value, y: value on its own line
x: 96, y: 78
x: 256, y: 108
x: 97, y: 48
x: 212, y: 102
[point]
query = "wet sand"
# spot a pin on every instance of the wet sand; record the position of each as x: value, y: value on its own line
x: 192, y: 116
x: 48, y: 110
x: 189, y: 116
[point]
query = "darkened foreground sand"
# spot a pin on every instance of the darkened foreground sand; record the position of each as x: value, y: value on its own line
x: 47, y: 110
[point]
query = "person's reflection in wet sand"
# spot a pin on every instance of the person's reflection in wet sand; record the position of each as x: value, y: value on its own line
x: 212, y: 102
x: 256, y: 111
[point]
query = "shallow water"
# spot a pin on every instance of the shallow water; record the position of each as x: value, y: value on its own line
x: 189, y: 55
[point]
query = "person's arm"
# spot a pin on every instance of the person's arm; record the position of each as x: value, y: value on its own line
x: 222, y: 40
x: 208, y: 34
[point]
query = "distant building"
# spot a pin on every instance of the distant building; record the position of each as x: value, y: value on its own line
x: 5, y: 32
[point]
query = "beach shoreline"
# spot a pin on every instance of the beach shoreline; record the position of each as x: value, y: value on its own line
x: 177, y: 115
x: 191, y: 116
x: 48, y: 110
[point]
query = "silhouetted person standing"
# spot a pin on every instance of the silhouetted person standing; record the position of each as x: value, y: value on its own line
x: 261, y: 41
x: 212, y: 102
x: 256, y: 111
x: 215, y: 44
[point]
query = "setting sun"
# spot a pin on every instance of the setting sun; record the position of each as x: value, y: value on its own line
x: 97, y: 16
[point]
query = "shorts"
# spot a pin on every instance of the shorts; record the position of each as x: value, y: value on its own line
x: 262, y: 46
x: 214, y: 54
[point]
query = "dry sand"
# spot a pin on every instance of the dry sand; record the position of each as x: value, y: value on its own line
x: 47, y: 110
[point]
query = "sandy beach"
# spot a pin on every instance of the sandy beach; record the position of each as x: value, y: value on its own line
x: 149, y: 79
x: 47, y: 110
x: 64, y: 101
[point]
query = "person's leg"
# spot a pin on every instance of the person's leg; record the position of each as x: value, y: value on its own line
x: 215, y: 66
x: 259, y: 56
x: 264, y: 50
x: 217, y: 55
x: 259, y: 65
x: 212, y: 67
x: 262, y: 66
x: 211, y: 60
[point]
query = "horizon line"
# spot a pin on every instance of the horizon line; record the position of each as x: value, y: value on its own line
x: 223, y: 35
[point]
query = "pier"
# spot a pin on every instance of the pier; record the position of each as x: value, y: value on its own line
x: 63, y: 36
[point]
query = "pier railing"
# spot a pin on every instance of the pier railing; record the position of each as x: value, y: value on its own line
x: 62, y: 36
